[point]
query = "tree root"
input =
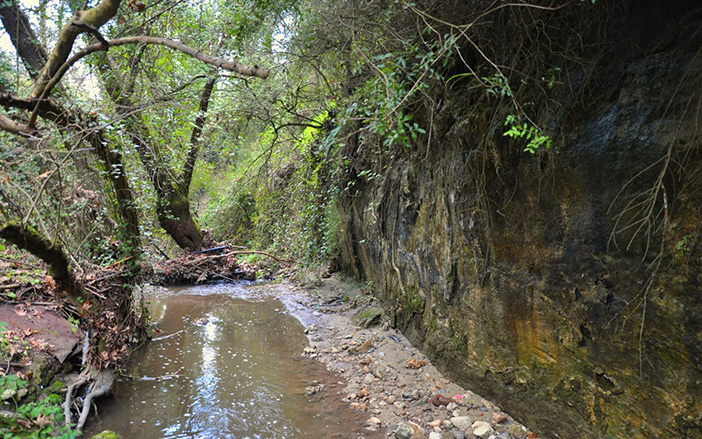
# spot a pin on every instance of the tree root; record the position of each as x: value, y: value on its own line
x: 103, y: 381
x: 102, y: 385
x: 82, y: 379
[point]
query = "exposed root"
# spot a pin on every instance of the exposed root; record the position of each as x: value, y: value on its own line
x: 82, y: 379
x: 104, y: 380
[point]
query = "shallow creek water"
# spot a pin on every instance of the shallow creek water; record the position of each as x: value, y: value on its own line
x: 236, y: 371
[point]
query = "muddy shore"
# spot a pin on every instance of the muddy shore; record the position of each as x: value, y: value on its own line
x: 402, y: 393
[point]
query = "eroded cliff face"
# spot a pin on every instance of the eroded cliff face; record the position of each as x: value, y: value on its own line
x: 505, y: 268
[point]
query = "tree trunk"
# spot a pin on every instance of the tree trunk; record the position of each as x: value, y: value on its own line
x: 173, y: 205
x: 127, y: 208
x: 23, y: 38
x: 174, y: 216
x: 28, y: 238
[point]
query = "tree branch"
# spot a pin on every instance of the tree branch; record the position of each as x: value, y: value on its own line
x: 189, y: 164
x: 93, y: 17
x: 27, y: 238
x: 9, y: 125
x: 217, y: 62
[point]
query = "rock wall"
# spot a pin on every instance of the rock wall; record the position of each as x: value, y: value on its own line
x: 503, y: 266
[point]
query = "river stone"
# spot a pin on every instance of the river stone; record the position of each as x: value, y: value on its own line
x: 482, y: 429
x: 107, y: 434
x: 453, y: 434
x: 435, y: 435
x: 404, y: 431
x: 462, y: 422
x: 369, y: 378
x: 377, y: 370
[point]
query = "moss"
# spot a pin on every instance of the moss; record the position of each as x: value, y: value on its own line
x: 368, y: 314
x: 414, y: 301
x: 56, y: 386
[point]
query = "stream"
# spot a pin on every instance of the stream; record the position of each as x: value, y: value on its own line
x: 227, y: 364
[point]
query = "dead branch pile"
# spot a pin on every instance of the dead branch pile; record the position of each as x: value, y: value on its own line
x: 191, y: 268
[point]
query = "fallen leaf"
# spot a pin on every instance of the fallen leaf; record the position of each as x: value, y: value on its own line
x: 42, y: 420
x: 50, y: 282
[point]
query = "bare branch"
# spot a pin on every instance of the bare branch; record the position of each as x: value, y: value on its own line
x: 9, y: 125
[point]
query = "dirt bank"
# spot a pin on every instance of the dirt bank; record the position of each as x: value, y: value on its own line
x: 402, y: 393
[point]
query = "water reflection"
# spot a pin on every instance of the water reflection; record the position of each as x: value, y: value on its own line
x: 238, y: 374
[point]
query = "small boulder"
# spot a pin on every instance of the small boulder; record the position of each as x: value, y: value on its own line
x: 499, y: 417
x: 462, y: 422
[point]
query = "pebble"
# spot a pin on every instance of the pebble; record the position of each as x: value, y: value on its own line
x: 377, y: 370
x: 369, y: 378
x: 416, y: 394
x: 482, y: 429
x: 462, y: 422
x: 435, y: 435
x: 435, y: 423
x: 453, y: 434
x: 374, y: 421
x: 515, y: 430
x: 499, y: 418
x: 404, y: 431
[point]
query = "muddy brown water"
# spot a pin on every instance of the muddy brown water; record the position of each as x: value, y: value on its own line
x: 227, y: 364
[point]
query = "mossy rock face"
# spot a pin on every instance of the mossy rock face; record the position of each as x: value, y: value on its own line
x: 513, y: 286
x: 107, y: 434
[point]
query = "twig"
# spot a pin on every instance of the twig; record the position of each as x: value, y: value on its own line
x: 167, y: 336
x: 120, y: 262
x: 168, y: 376
x: 254, y: 252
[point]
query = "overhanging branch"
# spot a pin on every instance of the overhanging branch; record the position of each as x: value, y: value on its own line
x: 197, y: 54
x: 9, y: 125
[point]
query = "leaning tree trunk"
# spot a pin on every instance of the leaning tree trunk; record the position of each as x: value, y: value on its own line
x: 23, y: 37
x: 27, y: 238
x: 172, y: 205
x: 174, y: 216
